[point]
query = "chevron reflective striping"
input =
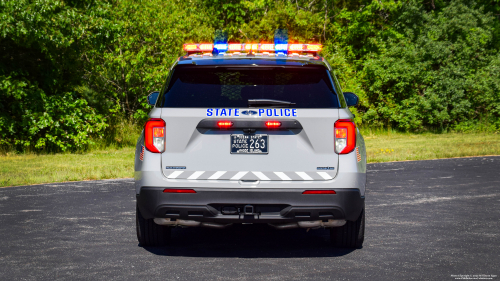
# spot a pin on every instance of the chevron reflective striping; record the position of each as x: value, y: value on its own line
x: 261, y: 176
x: 325, y: 175
x: 304, y: 176
x: 217, y: 175
x: 195, y: 175
x: 175, y: 174
x: 239, y: 175
x: 247, y: 175
x: 282, y: 176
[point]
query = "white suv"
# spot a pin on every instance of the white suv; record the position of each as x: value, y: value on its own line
x: 255, y: 137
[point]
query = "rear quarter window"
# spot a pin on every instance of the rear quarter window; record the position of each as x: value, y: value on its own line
x: 200, y: 86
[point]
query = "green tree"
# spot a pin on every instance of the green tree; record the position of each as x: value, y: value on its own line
x: 40, y: 66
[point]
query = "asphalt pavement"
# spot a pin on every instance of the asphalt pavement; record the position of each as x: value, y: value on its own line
x: 425, y: 220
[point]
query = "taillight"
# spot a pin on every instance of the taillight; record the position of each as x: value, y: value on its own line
x: 154, y: 135
x: 273, y: 124
x: 224, y: 124
x: 345, y: 136
x: 319, y: 192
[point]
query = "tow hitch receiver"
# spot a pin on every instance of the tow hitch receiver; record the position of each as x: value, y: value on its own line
x: 248, y: 210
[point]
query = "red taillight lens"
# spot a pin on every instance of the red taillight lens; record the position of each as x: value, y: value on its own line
x: 345, y: 136
x: 273, y: 124
x: 154, y: 135
x: 179, y: 191
x: 224, y: 124
x: 319, y: 192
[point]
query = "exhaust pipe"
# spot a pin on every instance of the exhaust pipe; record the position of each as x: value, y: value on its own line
x: 309, y: 224
x: 189, y: 223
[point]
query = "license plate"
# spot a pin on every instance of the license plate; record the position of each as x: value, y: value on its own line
x: 249, y: 144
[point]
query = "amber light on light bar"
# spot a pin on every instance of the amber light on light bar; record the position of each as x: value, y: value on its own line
x: 194, y: 47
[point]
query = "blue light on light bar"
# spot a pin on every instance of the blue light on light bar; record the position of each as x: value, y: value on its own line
x: 281, y: 47
x: 220, y: 47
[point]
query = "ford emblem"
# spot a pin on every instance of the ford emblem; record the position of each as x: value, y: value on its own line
x: 249, y: 112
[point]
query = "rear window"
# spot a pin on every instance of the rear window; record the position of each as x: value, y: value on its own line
x: 195, y: 86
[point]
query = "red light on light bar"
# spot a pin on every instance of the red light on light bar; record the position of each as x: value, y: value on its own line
x: 234, y: 47
x: 224, y: 124
x: 319, y: 192
x: 273, y: 124
x: 179, y: 191
x: 267, y: 47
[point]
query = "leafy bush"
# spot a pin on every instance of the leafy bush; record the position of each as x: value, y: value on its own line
x: 34, y: 120
x: 40, y: 67
x: 439, y: 70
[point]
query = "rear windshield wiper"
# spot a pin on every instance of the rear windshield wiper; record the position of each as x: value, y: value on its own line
x: 269, y: 103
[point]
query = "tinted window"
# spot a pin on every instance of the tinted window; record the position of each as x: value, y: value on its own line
x: 191, y: 86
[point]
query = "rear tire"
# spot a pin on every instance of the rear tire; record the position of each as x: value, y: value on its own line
x: 350, y: 235
x: 149, y: 233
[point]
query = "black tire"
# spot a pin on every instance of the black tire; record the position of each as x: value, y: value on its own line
x: 149, y: 233
x: 350, y: 235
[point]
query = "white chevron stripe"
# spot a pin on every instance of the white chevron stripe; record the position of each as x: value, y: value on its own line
x: 304, y: 176
x: 239, y: 175
x: 217, y: 175
x: 261, y: 176
x: 195, y: 175
x: 282, y: 176
x: 325, y: 175
x: 175, y: 174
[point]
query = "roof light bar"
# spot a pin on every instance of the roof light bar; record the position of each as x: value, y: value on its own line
x: 280, y: 48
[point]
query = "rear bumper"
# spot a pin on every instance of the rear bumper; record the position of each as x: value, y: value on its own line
x: 270, y: 205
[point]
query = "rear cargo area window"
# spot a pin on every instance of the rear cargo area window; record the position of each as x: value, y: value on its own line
x: 193, y: 86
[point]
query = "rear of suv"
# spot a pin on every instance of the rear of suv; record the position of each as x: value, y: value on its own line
x: 251, y: 137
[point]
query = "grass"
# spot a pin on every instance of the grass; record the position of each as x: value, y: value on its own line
x: 25, y: 169
x: 386, y: 146
x: 118, y: 162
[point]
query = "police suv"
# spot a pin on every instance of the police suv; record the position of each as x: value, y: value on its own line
x: 251, y: 133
